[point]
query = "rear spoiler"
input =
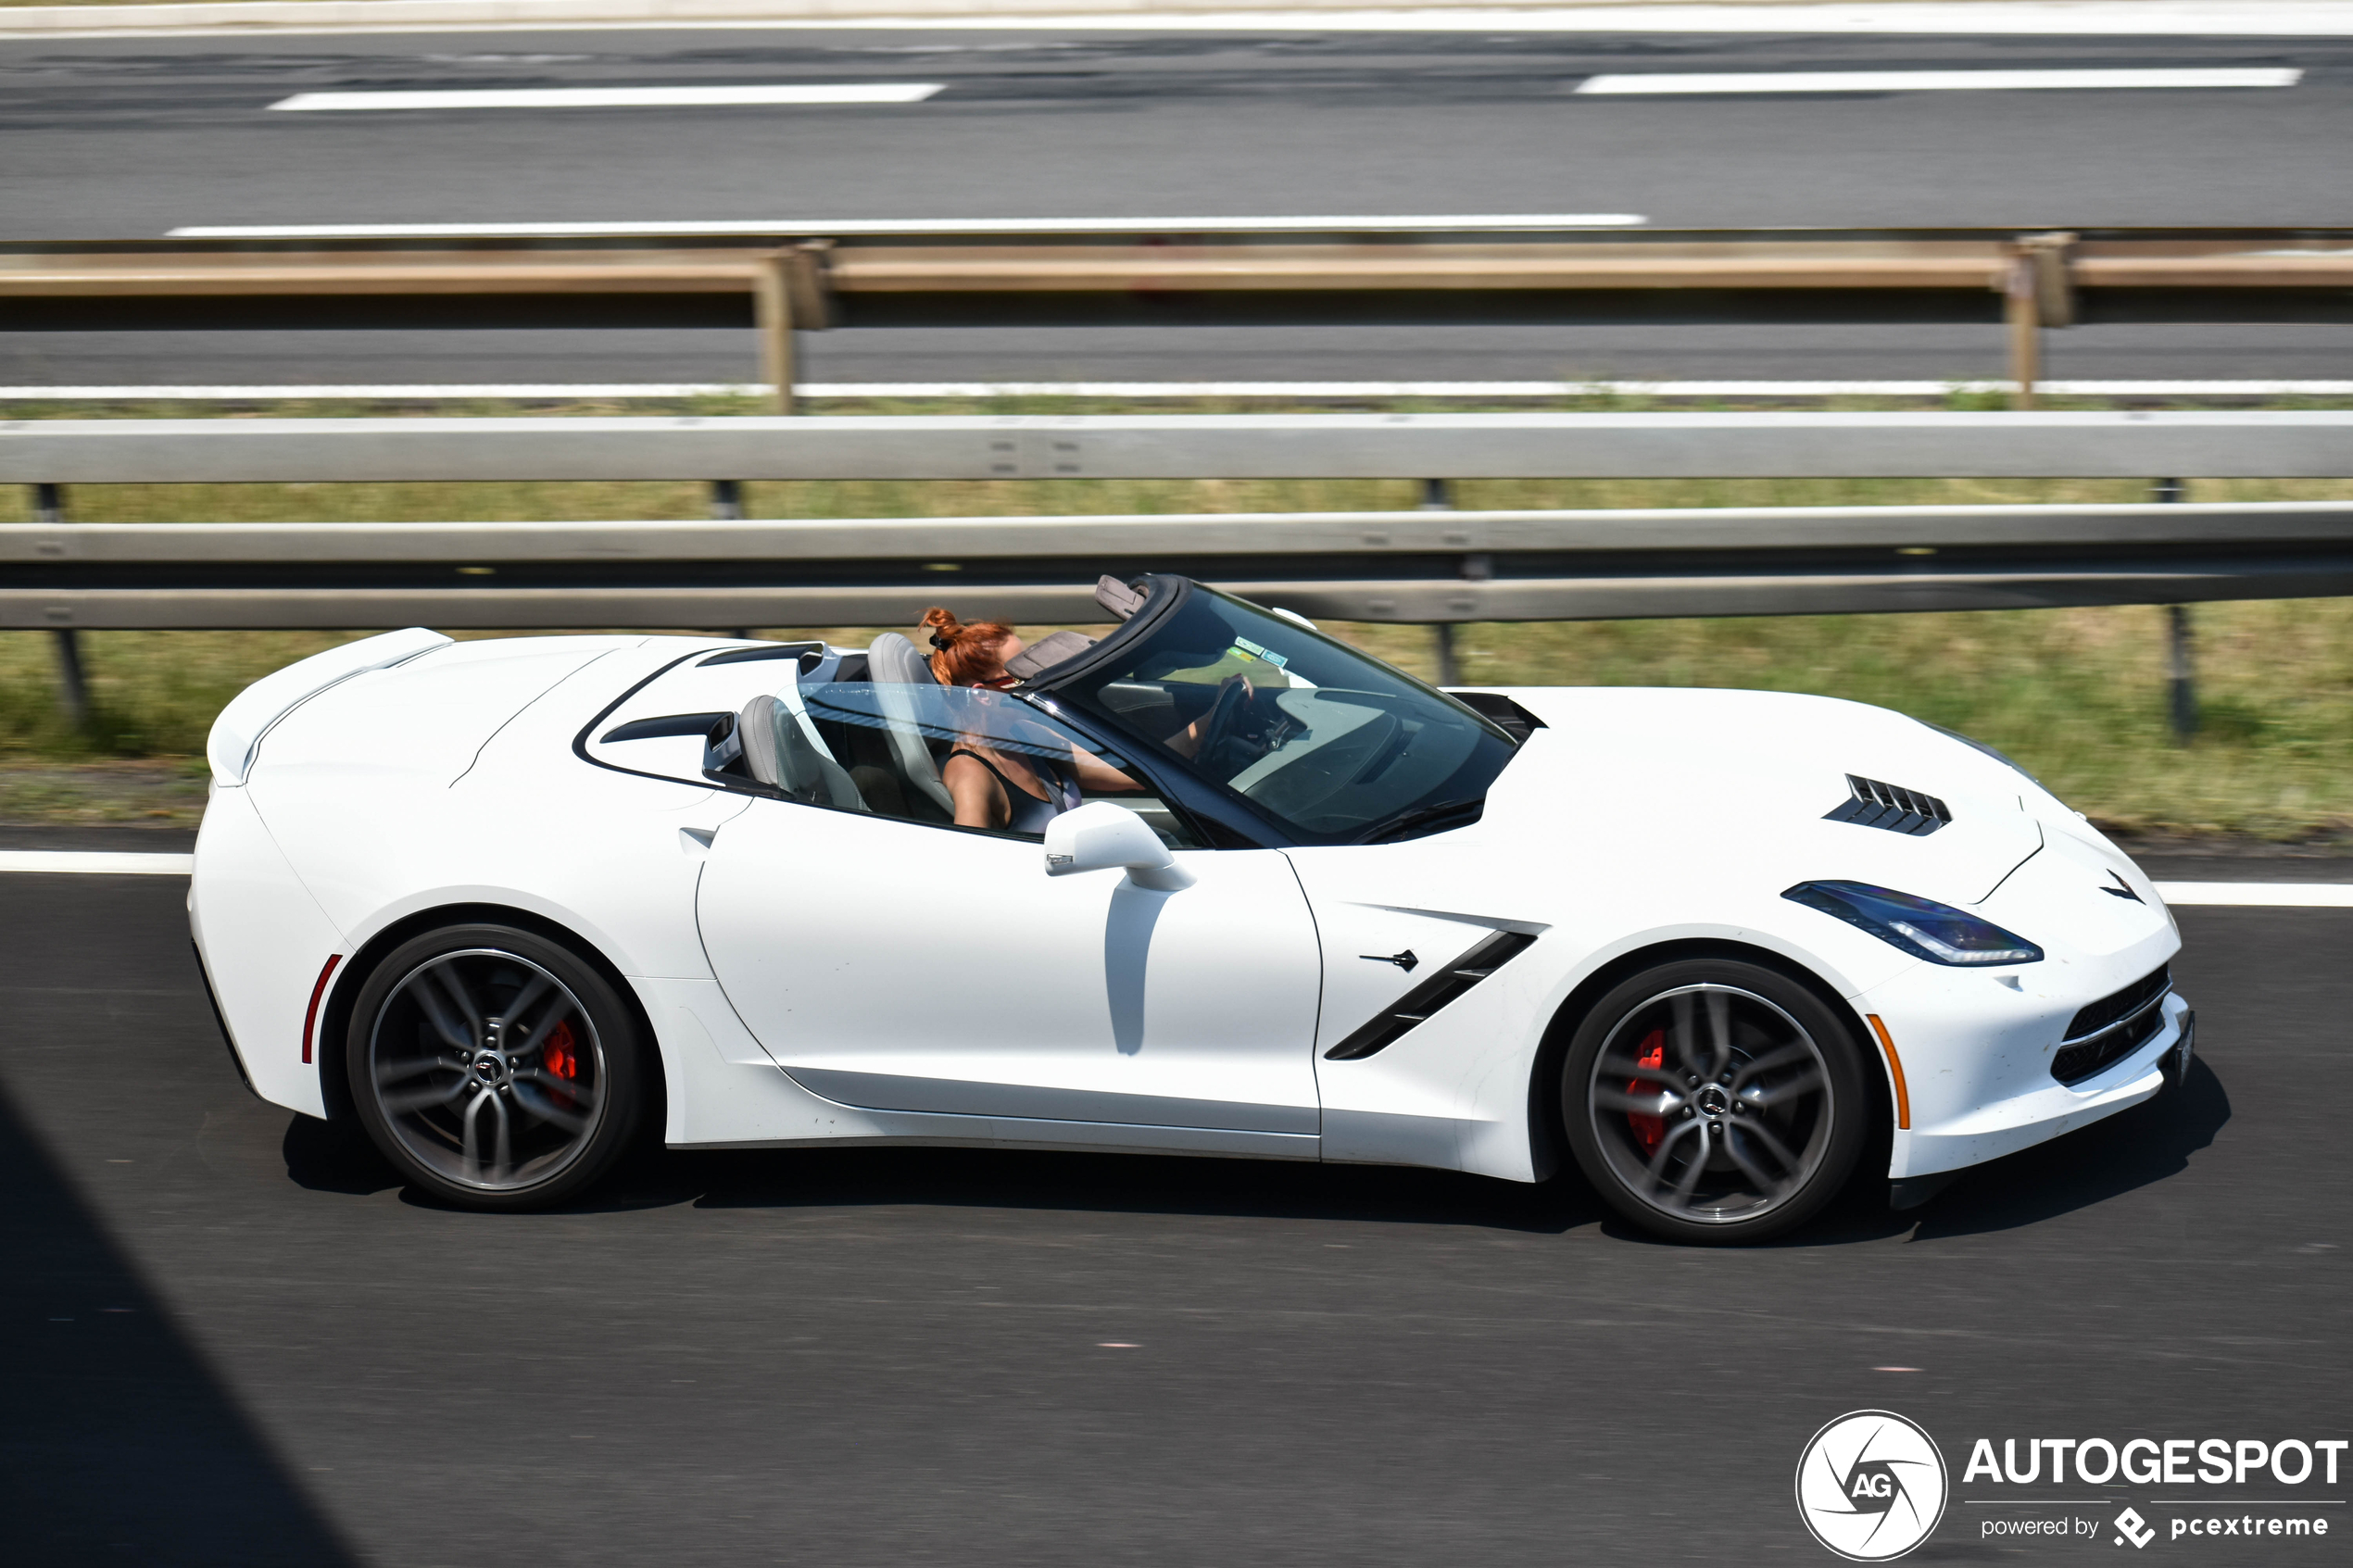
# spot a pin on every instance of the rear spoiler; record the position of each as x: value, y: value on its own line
x: 238, y: 731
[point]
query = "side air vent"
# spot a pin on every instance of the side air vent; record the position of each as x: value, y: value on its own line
x: 667, y: 725
x: 1877, y: 805
x: 1419, y: 1003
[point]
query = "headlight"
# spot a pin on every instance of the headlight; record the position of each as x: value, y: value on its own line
x: 1938, y: 933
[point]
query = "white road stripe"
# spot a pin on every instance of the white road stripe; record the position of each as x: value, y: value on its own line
x: 101, y: 861
x: 1702, y: 83
x: 2208, y: 18
x: 395, y: 391
x: 613, y: 97
x: 849, y: 226
x: 2263, y: 894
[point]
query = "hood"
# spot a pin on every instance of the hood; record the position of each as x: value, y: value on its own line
x: 1739, y: 779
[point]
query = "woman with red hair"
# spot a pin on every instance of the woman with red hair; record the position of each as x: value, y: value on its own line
x: 994, y: 787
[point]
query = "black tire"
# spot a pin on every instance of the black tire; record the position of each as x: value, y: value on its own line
x: 547, y: 1093
x: 1715, y: 1101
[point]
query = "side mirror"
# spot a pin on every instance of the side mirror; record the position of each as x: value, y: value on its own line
x: 1100, y: 837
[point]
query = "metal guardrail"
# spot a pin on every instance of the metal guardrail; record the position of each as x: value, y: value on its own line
x: 1420, y: 566
x: 1110, y: 272
x: 2204, y: 444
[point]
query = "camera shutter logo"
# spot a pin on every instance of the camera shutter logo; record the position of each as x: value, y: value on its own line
x: 1871, y: 1486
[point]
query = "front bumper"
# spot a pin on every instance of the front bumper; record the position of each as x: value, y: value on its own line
x: 1977, y: 1067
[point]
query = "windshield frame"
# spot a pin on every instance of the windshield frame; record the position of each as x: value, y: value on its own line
x: 1207, y: 796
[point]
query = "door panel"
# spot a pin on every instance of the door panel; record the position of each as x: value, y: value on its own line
x: 1373, y: 955
x: 906, y: 967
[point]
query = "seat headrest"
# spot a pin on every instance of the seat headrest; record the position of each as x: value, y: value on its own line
x: 756, y: 729
x: 893, y: 657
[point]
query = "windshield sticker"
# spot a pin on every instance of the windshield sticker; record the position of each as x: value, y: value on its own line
x: 1253, y: 650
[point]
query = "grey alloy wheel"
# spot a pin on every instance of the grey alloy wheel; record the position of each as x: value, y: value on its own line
x: 493, y: 1066
x: 1715, y: 1100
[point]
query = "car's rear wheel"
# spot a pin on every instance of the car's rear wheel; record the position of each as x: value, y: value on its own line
x: 493, y: 1067
x: 1714, y: 1100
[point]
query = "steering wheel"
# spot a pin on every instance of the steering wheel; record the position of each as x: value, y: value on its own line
x: 1223, y: 718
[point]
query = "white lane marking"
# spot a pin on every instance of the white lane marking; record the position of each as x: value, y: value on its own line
x: 394, y: 391
x: 2213, y: 19
x: 612, y: 97
x: 1748, y: 82
x: 107, y: 862
x: 2262, y: 895
x: 1384, y: 224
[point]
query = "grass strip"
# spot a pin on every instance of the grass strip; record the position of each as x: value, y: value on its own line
x: 2078, y: 695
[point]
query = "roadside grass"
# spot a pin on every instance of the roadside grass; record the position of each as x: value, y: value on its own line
x: 2077, y: 695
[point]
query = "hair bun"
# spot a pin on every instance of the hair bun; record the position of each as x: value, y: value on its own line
x: 961, y: 651
x: 945, y: 627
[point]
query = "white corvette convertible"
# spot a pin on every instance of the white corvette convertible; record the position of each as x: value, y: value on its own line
x: 511, y: 902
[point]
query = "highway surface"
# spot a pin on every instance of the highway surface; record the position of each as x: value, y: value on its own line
x: 231, y: 1340
x: 138, y: 136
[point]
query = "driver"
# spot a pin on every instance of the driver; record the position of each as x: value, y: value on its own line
x: 993, y: 785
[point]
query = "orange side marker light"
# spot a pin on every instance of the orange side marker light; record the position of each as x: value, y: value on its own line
x: 1895, y: 1067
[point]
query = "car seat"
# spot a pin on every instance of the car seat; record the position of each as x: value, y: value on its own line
x: 777, y: 752
x: 892, y: 664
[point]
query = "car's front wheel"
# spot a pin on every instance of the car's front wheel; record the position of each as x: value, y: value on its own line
x: 1715, y: 1100
x: 495, y: 1067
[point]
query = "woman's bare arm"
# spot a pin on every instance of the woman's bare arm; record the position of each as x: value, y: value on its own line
x: 979, y: 800
x: 1099, y: 776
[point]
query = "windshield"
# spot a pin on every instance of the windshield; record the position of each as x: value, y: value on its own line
x: 1332, y: 743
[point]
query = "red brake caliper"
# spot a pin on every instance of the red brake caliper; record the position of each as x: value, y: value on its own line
x: 562, y: 1057
x: 1649, y: 1131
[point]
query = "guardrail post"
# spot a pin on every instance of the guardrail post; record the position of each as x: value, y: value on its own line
x: 773, y: 299
x: 2181, y: 650
x: 2038, y: 291
x: 74, y: 689
x: 1437, y: 497
x: 727, y: 505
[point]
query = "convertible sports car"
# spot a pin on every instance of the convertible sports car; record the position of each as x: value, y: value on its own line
x: 508, y: 902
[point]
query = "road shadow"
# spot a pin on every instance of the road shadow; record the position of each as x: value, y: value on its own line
x: 1110, y: 1184
x: 335, y: 1157
x: 338, y: 1158
x: 2149, y: 1143
x: 118, y: 1445
x: 2134, y: 1148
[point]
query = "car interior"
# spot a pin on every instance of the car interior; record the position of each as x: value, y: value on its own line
x: 880, y: 749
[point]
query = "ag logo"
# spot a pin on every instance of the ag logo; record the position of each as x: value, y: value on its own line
x: 1870, y: 1485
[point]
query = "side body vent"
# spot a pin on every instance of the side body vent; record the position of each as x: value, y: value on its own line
x: 1427, y: 998
x: 1877, y: 805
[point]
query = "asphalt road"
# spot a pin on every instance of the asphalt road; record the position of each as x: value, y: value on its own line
x: 136, y: 136
x: 231, y: 1339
